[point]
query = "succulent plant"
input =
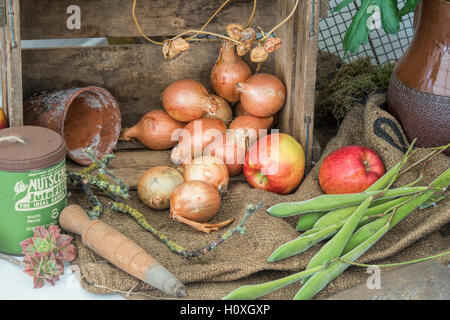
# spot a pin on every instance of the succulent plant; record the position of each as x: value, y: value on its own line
x: 45, y: 254
x: 43, y: 267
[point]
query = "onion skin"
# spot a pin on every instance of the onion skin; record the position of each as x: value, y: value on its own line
x: 194, y: 200
x: 229, y: 70
x: 253, y: 127
x: 262, y: 95
x: 156, y: 185
x: 239, y: 111
x: 185, y: 100
x: 209, y: 169
x: 154, y: 130
x: 231, y: 149
x: 220, y: 109
x: 195, y: 136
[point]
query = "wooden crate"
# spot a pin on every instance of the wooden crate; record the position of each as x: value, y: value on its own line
x: 136, y: 74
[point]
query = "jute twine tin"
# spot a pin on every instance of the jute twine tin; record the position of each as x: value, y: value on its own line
x: 33, y: 185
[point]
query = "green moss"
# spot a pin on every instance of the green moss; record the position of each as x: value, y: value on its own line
x: 351, y: 84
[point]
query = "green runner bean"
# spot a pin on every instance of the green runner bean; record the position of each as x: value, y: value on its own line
x: 255, y: 291
x: 303, y: 243
x: 335, y: 216
x: 307, y: 220
x: 333, y: 248
x: 322, y: 278
x: 334, y: 201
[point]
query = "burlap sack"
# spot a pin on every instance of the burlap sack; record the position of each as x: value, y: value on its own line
x: 242, y: 259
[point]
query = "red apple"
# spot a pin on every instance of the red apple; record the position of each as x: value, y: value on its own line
x: 275, y: 163
x: 350, y: 169
x: 3, y: 120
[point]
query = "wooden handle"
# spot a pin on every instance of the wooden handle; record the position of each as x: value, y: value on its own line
x: 74, y: 219
x: 119, y: 250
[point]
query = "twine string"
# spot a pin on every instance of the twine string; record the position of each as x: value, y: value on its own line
x: 12, y: 139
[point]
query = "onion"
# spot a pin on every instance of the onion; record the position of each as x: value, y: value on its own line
x: 195, y: 136
x: 222, y: 112
x: 156, y: 185
x: 154, y: 130
x: 194, y: 203
x: 209, y: 169
x: 252, y: 127
x: 186, y: 100
x: 227, y: 72
x: 239, y: 111
x: 262, y: 95
x: 231, y: 148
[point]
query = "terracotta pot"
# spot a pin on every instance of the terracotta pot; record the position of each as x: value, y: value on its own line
x: 85, y: 117
x: 419, y: 89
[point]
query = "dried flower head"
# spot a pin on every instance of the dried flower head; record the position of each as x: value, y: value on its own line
x: 272, y: 44
x: 248, y: 35
x: 242, y: 49
x: 173, y: 48
x: 234, y: 31
x: 259, y: 54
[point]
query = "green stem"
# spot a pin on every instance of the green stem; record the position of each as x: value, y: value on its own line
x: 394, y: 264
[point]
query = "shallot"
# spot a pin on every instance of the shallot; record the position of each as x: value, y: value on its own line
x: 227, y: 72
x: 209, y: 169
x: 252, y: 127
x: 186, y: 100
x: 222, y: 112
x: 156, y: 130
x: 195, y: 136
x: 156, y: 185
x: 262, y: 95
x: 231, y: 148
x: 194, y: 203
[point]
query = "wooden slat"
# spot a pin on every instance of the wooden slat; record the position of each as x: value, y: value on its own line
x: 324, y: 6
x: 296, y: 65
x: 46, y: 19
x: 11, y: 63
x: 134, y: 74
x: 130, y: 165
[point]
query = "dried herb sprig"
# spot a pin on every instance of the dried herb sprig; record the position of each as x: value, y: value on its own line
x: 174, y: 247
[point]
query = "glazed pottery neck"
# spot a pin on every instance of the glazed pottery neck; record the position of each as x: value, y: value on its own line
x: 426, y: 64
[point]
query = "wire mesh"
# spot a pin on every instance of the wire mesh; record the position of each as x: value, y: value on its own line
x: 380, y: 48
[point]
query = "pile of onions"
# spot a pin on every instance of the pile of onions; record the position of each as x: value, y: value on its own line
x: 209, y: 169
x: 231, y: 148
x: 221, y: 111
x: 262, y: 95
x: 195, y: 136
x: 227, y: 72
x: 194, y: 203
x: 154, y: 130
x: 252, y: 127
x: 156, y: 185
x: 186, y: 100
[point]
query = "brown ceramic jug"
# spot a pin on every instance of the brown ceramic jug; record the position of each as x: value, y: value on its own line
x: 419, y: 89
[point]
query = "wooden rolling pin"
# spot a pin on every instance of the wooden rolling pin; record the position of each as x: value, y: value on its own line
x: 120, y: 250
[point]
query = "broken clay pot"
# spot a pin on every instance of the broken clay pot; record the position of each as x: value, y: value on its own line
x: 86, y: 117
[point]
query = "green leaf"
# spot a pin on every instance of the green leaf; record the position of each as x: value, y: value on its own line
x: 342, y: 5
x: 410, y: 6
x: 390, y: 18
x: 358, y: 32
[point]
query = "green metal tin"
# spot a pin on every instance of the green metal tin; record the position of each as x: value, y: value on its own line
x: 33, y: 185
